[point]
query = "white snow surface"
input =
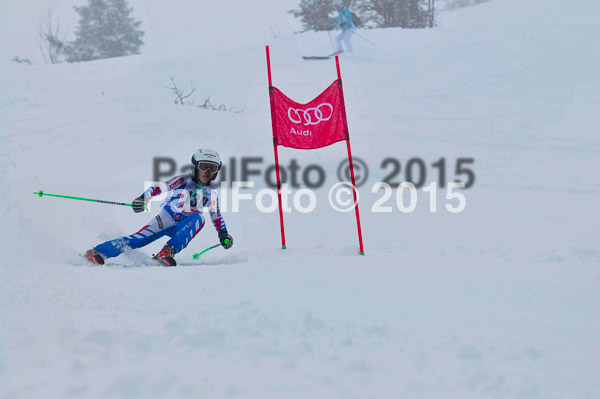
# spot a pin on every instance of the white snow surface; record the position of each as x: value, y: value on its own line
x: 498, y: 301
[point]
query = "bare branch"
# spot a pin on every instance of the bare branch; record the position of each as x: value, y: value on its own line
x: 51, y: 40
x: 21, y: 60
x: 180, y: 95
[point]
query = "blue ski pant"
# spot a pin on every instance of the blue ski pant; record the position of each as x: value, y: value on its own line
x: 181, y: 232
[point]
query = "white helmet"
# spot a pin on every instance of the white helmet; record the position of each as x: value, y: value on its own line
x: 205, y: 156
x: 337, y: 3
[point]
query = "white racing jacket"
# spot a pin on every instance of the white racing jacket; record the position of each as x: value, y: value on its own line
x: 182, y: 196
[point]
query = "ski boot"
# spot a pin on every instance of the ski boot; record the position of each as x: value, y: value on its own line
x: 165, y: 256
x: 94, y: 257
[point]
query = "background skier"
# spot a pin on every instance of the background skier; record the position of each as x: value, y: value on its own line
x: 345, y: 22
x: 181, y: 217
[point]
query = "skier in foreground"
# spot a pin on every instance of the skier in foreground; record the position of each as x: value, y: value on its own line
x: 345, y: 22
x: 181, y: 217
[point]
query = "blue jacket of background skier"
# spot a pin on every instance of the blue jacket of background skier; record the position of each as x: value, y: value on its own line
x: 344, y: 20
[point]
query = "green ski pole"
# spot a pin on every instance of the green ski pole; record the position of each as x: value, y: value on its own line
x: 197, y: 255
x: 41, y: 193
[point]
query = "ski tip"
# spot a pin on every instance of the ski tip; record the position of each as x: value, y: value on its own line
x: 362, y: 253
x: 283, y: 247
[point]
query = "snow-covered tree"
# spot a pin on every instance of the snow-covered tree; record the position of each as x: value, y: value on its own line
x: 395, y: 13
x: 106, y: 29
x: 315, y: 14
x: 449, y: 4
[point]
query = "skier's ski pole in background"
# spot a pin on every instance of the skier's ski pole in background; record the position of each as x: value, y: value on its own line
x: 331, y: 40
x: 41, y: 193
x: 197, y: 255
x: 364, y: 38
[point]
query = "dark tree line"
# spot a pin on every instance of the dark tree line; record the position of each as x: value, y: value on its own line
x: 320, y: 14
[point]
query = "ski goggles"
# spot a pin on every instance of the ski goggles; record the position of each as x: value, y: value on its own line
x: 207, y: 167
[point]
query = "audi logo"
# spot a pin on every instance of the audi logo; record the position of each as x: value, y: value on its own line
x: 310, y: 116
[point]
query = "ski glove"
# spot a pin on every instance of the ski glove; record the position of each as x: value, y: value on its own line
x: 139, y: 204
x: 226, y: 240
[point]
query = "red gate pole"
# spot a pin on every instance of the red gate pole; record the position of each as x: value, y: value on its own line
x: 360, y: 241
x: 275, y: 149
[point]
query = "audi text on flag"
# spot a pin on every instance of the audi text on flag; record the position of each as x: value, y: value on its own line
x: 316, y: 124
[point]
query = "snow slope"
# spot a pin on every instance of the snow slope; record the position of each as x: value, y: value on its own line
x: 498, y: 301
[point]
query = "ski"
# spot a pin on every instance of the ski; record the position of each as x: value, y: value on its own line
x: 316, y: 57
x: 321, y: 57
x: 167, y: 261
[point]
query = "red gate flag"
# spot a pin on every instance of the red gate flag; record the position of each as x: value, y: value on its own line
x: 316, y: 124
